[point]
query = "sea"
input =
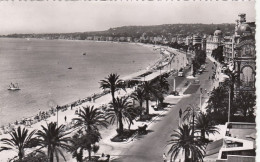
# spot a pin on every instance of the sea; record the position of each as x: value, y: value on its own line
x: 57, y: 72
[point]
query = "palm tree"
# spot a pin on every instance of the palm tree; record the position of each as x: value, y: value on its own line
x: 149, y: 90
x: 184, y: 141
x: 85, y: 142
x: 122, y: 111
x: 113, y: 83
x: 218, y: 105
x: 205, y: 125
x: 54, y: 139
x: 139, y: 96
x: 246, y: 102
x: 163, y: 84
x: 20, y: 141
x: 191, y: 111
x: 90, y: 118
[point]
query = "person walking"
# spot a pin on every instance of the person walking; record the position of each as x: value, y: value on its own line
x: 180, y: 115
x: 65, y: 118
x: 164, y: 158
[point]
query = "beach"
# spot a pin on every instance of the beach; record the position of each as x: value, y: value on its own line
x: 101, y: 100
x: 40, y: 67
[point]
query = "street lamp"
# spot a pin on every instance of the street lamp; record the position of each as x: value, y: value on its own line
x: 229, y: 92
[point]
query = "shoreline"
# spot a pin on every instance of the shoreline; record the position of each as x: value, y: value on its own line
x: 27, y: 121
x: 101, y: 99
x: 97, y: 94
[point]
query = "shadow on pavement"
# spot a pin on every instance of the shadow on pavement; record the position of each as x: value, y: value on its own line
x: 140, y: 136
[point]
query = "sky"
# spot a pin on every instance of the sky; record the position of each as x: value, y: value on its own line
x: 79, y: 16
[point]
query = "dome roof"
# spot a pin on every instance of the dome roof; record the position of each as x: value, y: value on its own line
x: 218, y: 33
x: 244, y: 28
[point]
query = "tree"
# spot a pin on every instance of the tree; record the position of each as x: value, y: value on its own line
x: 183, y: 140
x: 21, y: 140
x: 200, y: 56
x: 138, y: 95
x: 205, y: 125
x: 218, y: 54
x: 163, y: 84
x: 113, y: 83
x: 246, y: 102
x: 121, y: 111
x: 229, y: 84
x: 54, y: 139
x: 78, y: 154
x: 85, y: 141
x: 162, y: 87
x: 90, y: 118
x: 217, y: 106
x: 191, y: 111
x: 149, y: 90
x: 34, y: 157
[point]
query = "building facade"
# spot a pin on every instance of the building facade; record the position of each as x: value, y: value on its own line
x: 244, y: 56
x: 213, y: 42
x: 228, y: 49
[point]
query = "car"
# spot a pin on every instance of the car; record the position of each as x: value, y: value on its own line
x: 196, y: 81
x: 180, y: 74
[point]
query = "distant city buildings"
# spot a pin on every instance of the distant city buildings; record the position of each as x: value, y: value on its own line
x: 213, y: 42
x: 239, y: 141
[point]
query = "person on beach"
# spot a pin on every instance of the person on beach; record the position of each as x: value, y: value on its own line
x: 164, y: 158
x: 65, y: 118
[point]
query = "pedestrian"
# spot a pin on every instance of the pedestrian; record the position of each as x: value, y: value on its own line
x: 164, y: 158
x: 65, y: 118
x: 180, y: 113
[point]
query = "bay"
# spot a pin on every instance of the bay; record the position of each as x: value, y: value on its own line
x: 41, y: 69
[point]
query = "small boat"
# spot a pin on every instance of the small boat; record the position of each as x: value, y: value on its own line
x: 13, y: 87
x: 70, y: 68
x: 84, y: 54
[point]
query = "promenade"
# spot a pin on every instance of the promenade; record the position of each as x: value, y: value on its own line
x: 106, y: 146
x: 152, y: 146
x: 140, y: 148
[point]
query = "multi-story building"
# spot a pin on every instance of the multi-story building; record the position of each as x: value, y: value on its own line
x: 188, y: 40
x: 213, y: 42
x: 89, y: 38
x: 244, y: 56
x: 122, y: 39
x: 196, y: 40
x: 96, y: 38
x: 109, y: 38
x: 129, y: 39
x: 228, y: 49
x: 204, y: 43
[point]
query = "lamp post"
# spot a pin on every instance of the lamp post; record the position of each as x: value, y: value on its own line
x: 229, y: 93
x: 201, y: 94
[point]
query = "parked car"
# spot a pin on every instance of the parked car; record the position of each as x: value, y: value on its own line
x: 180, y: 74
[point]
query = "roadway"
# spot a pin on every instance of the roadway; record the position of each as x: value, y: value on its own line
x: 151, y: 147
